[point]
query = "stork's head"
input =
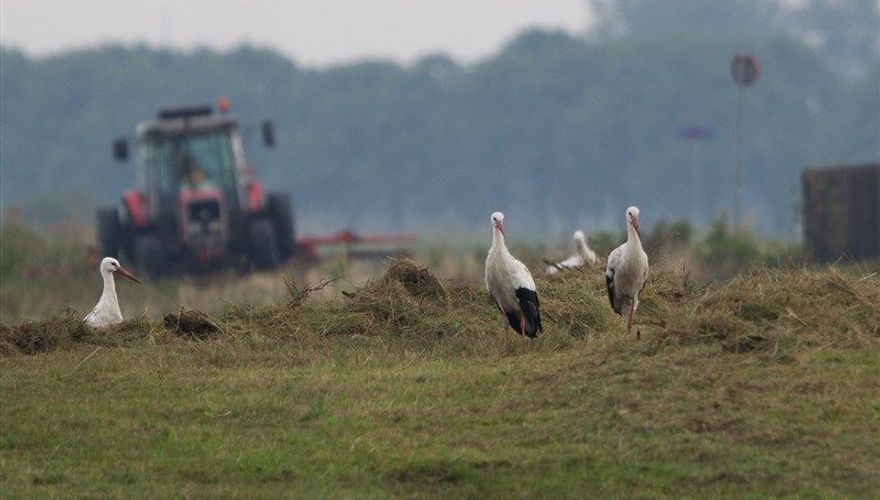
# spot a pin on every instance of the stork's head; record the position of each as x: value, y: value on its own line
x: 579, y: 236
x: 498, y: 221
x: 632, y: 218
x: 111, y: 265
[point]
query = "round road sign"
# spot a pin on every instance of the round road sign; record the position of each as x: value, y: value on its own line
x: 745, y: 69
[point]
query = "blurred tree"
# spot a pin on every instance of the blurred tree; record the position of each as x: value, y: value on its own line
x: 725, y: 250
x: 845, y: 32
x: 653, y: 18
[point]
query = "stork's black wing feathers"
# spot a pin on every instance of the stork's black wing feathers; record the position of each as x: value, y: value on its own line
x: 614, y: 259
x: 530, y: 307
x: 513, y: 320
x: 609, y: 284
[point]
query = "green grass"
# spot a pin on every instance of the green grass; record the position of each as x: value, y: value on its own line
x: 411, y: 390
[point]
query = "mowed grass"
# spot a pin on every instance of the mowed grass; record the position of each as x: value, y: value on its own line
x: 763, y: 386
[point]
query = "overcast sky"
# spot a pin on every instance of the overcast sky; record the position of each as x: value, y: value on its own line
x: 315, y: 32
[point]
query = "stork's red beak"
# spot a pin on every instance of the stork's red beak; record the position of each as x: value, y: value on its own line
x: 635, y: 223
x: 125, y: 272
x: 500, y: 227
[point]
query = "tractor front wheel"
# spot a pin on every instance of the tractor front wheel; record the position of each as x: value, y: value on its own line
x: 264, y: 249
x: 150, y: 256
x: 280, y: 211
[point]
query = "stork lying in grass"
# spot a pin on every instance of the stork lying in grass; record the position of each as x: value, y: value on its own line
x: 583, y: 254
x: 627, y: 270
x: 106, y: 312
x: 511, y: 285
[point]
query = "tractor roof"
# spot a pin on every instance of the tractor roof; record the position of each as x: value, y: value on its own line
x: 175, y: 125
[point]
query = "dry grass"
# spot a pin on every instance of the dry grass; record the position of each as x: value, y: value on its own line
x: 761, y: 310
x: 767, y: 307
x: 67, y: 331
x: 191, y: 323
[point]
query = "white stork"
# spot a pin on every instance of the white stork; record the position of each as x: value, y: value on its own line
x: 106, y: 312
x: 583, y: 254
x: 511, y: 285
x: 627, y: 270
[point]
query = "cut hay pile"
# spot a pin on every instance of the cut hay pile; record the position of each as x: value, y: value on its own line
x: 191, y: 323
x: 417, y: 280
x: 67, y: 330
x: 408, y: 300
x: 31, y: 337
x: 769, y: 306
x: 764, y: 309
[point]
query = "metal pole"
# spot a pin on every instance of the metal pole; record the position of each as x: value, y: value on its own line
x: 738, y: 158
x: 697, y: 184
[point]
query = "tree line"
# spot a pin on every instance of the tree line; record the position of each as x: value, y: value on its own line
x: 555, y: 129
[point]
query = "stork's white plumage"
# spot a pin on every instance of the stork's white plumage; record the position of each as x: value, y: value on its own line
x: 583, y: 255
x: 510, y: 284
x: 106, y: 312
x: 627, y: 270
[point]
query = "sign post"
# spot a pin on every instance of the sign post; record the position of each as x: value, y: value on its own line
x: 745, y: 70
x: 696, y: 134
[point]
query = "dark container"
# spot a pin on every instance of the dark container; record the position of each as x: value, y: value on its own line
x: 842, y: 212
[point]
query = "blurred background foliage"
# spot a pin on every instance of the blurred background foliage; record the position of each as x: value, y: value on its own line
x: 557, y: 130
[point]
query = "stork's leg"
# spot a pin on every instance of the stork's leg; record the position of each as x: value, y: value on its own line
x: 629, y: 320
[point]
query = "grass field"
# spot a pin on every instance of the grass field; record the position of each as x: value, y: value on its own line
x: 765, y: 385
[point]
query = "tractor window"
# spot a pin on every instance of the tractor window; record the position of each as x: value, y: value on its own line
x: 158, y: 174
x: 208, y: 160
x: 192, y: 162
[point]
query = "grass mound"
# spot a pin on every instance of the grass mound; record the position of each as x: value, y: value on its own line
x: 576, y: 301
x: 764, y: 309
x: 767, y: 306
x: 417, y: 280
x: 67, y: 330
x: 191, y: 323
x: 760, y: 309
x: 32, y: 337
x: 408, y: 300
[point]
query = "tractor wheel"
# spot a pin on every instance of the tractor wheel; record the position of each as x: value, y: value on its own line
x: 280, y: 213
x: 264, y: 244
x: 149, y: 255
x: 109, y: 231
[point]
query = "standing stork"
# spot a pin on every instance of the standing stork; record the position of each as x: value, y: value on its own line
x: 511, y: 285
x: 627, y: 270
x: 583, y: 254
x: 106, y: 312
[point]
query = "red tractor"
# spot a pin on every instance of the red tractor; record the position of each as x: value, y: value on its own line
x: 197, y: 206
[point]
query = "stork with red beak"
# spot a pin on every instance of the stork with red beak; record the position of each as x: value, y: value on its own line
x: 510, y: 284
x: 106, y: 312
x: 627, y: 270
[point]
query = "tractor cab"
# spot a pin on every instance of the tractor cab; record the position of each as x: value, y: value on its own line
x: 189, y: 150
x: 196, y: 203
